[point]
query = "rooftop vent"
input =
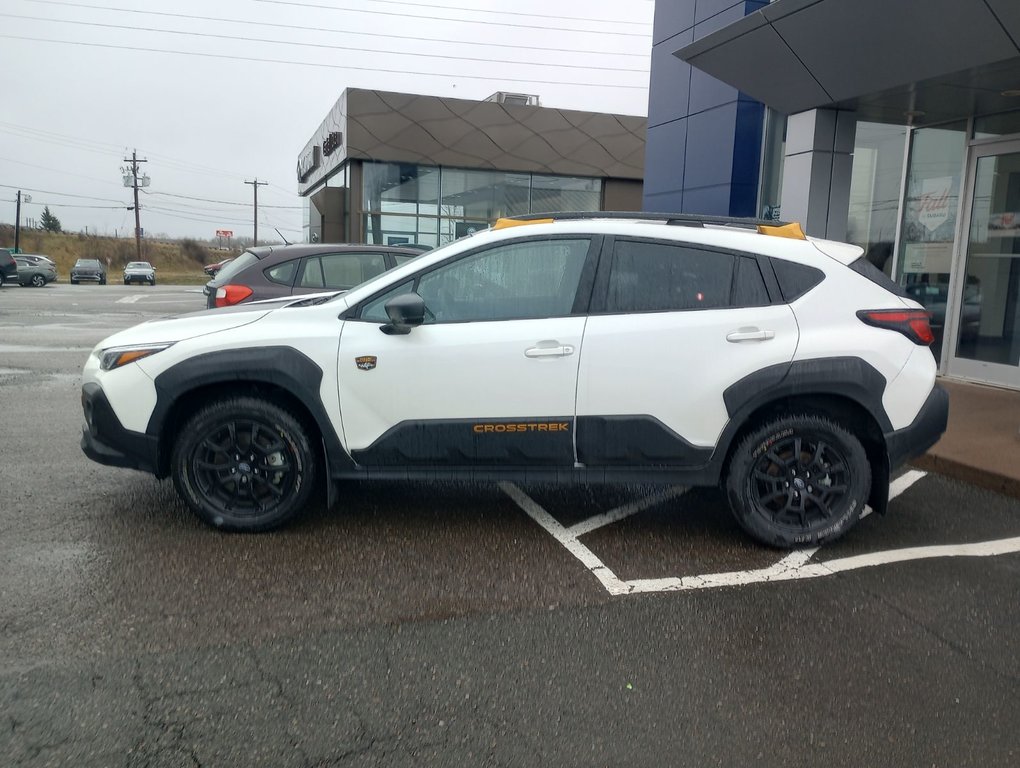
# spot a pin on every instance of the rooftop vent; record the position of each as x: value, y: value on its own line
x: 516, y: 99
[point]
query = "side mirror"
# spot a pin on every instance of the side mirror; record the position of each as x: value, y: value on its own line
x: 405, y: 312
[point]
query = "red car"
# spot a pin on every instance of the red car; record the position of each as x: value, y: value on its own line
x: 212, y: 269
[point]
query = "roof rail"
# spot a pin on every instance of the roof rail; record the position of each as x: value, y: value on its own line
x: 676, y: 219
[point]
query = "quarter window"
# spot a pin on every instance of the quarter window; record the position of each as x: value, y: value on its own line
x: 282, y: 273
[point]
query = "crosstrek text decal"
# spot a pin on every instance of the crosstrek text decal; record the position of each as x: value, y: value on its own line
x: 366, y: 362
x: 533, y: 426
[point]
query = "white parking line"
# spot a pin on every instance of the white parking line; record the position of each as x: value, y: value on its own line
x: 130, y: 299
x: 621, y: 513
x: 796, y: 565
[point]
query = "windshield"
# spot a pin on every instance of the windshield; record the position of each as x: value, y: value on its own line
x: 241, y: 262
x: 138, y: 265
x: 86, y: 263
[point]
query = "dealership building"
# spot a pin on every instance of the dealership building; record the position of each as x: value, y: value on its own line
x: 892, y: 124
x: 396, y: 168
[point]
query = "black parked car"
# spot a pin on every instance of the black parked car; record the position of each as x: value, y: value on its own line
x: 271, y: 272
x: 88, y: 270
x: 8, y: 267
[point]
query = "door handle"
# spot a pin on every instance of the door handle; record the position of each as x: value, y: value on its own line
x: 558, y: 351
x: 750, y: 334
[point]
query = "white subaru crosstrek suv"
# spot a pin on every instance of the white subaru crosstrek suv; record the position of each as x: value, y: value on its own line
x: 566, y: 348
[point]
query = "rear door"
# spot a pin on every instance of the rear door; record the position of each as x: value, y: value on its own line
x: 672, y: 326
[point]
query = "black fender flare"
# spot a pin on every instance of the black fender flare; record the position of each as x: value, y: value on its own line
x: 282, y: 367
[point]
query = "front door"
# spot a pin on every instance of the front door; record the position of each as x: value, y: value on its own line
x: 986, y: 293
x: 489, y: 379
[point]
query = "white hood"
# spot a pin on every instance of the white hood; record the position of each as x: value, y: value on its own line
x: 184, y: 327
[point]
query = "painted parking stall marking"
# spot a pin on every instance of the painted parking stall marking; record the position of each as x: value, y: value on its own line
x: 795, y: 565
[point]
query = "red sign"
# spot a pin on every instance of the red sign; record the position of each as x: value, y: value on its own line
x: 224, y: 233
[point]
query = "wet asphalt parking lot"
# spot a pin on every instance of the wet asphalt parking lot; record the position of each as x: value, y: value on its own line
x: 472, y: 625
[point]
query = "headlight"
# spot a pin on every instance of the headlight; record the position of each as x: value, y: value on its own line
x: 115, y: 357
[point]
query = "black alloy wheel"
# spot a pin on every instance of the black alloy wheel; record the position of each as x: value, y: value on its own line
x: 799, y: 481
x: 244, y: 464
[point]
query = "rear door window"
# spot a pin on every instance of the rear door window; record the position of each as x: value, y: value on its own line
x: 663, y: 277
x: 340, y: 270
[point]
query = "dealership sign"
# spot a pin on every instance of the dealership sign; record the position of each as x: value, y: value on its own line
x: 333, y: 142
x: 228, y: 233
x: 933, y: 204
x: 308, y: 162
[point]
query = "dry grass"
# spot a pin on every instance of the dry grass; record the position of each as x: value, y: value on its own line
x: 175, y: 262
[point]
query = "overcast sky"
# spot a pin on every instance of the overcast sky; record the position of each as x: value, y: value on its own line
x: 216, y: 92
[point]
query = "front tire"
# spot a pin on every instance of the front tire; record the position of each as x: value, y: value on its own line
x: 102, y: 281
x: 244, y: 464
x: 798, y: 481
x: 38, y: 281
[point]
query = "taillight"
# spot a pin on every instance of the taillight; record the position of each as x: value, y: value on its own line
x: 912, y: 323
x: 228, y: 295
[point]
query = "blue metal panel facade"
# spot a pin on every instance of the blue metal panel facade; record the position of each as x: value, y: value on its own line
x: 703, y: 152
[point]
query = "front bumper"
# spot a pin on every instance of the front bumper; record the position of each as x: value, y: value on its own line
x: 926, y: 429
x: 106, y: 441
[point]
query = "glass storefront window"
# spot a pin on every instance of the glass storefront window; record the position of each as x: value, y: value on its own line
x: 772, y: 165
x: 551, y: 194
x: 484, y: 195
x: 404, y: 203
x: 997, y: 126
x: 929, y: 219
x: 875, y: 190
x: 399, y: 200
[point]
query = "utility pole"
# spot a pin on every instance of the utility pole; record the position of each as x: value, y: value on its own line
x: 131, y: 179
x: 17, y: 221
x: 255, y: 188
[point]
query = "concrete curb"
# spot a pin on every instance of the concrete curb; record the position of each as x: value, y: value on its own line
x: 982, y: 478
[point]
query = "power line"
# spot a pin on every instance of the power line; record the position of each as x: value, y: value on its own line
x: 227, y: 202
x: 61, y: 194
x: 502, y: 24
x: 57, y: 170
x: 317, y: 45
x: 333, y: 30
x: 530, y: 15
x: 259, y: 60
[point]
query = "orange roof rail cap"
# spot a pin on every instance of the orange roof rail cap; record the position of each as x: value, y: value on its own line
x: 792, y: 231
x: 505, y: 223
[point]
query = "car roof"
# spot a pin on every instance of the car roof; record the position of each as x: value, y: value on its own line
x: 280, y: 252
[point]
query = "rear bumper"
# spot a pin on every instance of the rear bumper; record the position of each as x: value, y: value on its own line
x: 929, y: 424
x: 106, y: 441
x: 87, y: 278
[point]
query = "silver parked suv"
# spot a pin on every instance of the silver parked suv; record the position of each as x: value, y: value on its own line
x: 139, y: 272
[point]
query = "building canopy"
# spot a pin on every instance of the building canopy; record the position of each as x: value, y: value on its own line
x: 894, y: 61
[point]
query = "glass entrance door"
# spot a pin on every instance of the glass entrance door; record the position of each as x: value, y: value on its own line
x: 986, y: 293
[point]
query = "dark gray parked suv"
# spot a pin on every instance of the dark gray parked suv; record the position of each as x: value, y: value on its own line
x: 272, y: 272
x: 88, y: 270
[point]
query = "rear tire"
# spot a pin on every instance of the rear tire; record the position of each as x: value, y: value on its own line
x: 798, y: 481
x: 38, y: 281
x: 244, y: 464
